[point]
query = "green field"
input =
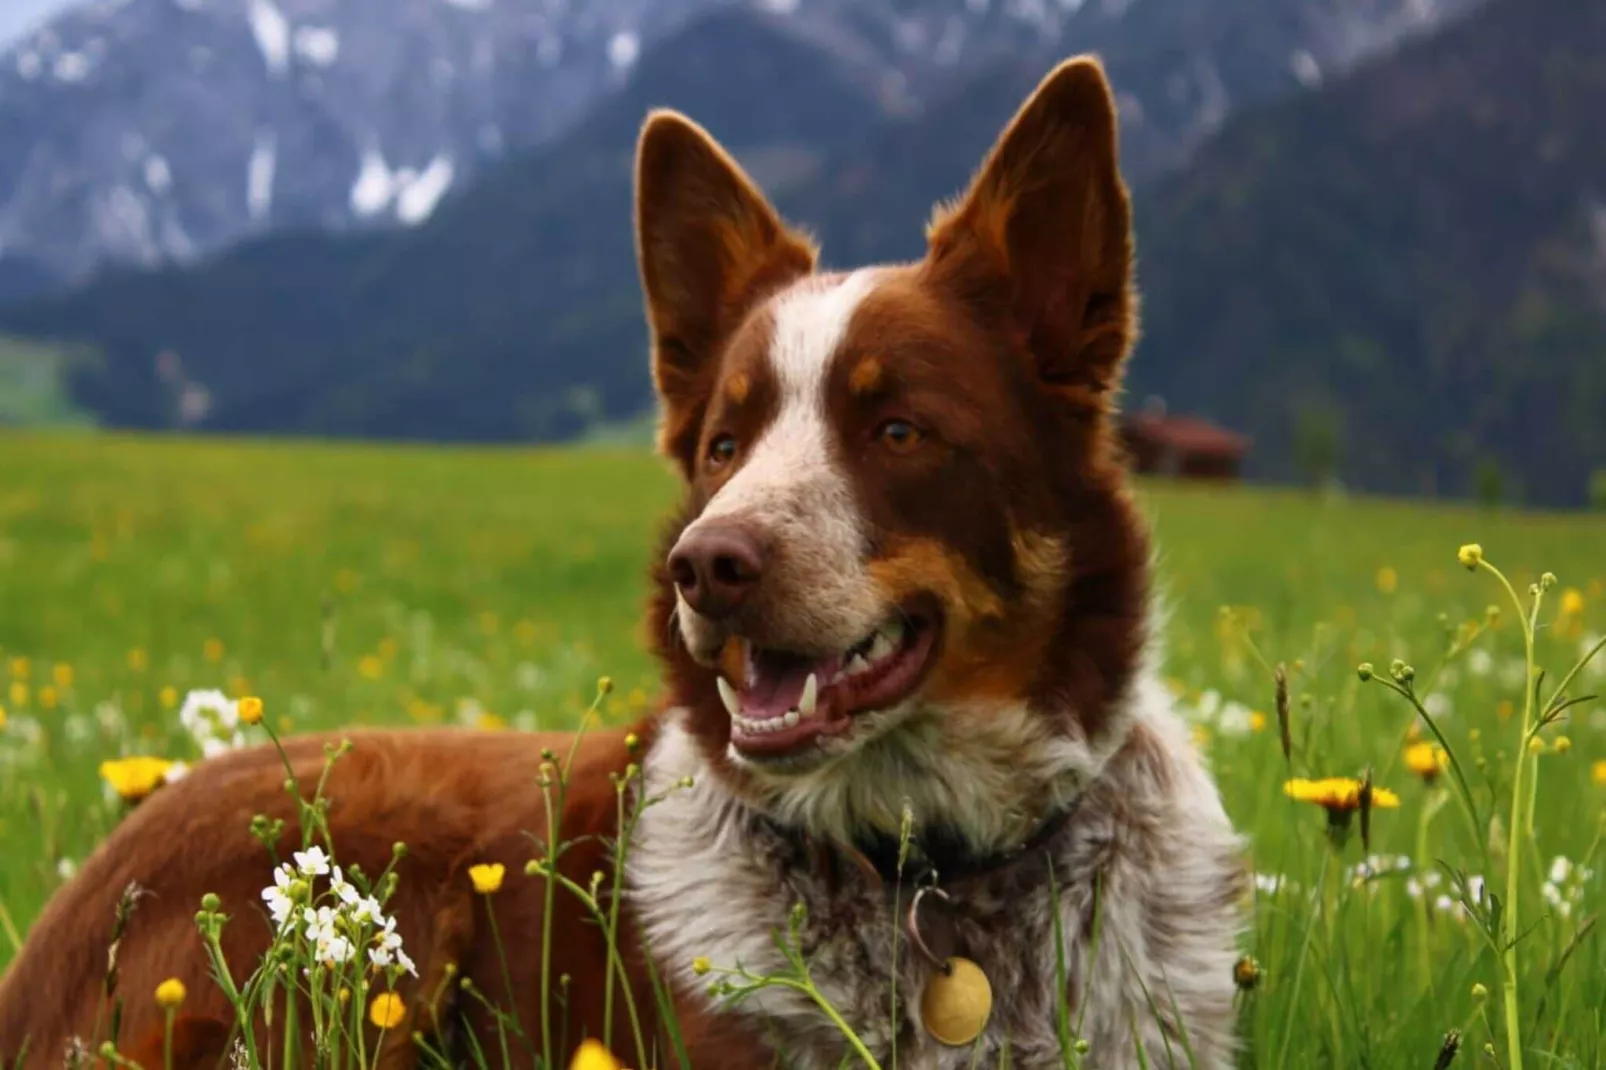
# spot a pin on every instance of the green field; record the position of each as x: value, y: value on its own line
x: 361, y: 585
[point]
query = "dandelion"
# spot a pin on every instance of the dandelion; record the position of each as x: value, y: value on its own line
x: 62, y: 674
x: 1470, y: 555
x: 1341, y: 798
x: 250, y: 709
x: 2, y: 718
x: 135, y: 778
x: 20, y: 668
x: 1338, y: 794
x: 371, y: 666
x: 387, y: 1011
x: 47, y: 697
x: 591, y: 1055
x: 487, y: 878
x: 1426, y: 760
x: 19, y: 693
x: 1387, y: 580
x: 168, y: 697
x: 1572, y: 602
x: 1597, y: 773
x: 170, y: 994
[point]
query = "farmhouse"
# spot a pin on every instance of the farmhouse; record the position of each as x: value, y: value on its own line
x: 1187, y: 447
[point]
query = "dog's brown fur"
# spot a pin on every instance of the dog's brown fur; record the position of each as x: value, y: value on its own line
x: 455, y: 798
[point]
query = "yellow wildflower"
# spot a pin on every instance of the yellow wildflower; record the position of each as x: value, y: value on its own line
x: 1563, y: 744
x: 1470, y: 555
x: 591, y: 1055
x: 372, y: 667
x: 20, y: 668
x: 1387, y: 580
x: 1426, y: 760
x: 2, y: 718
x: 47, y: 697
x: 250, y: 710
x: 1598, y: 773
x: 213, y: 649
x: 1338, y: 794
x: 1246, y: 973
x: 1257, y: 721
x: 19, y: 693
x: 387, y: 1011
x: 170, y: 994
x: 169, y: 697
x: 700, y: 965
x: 63, y: 675
x: 138, y: 660
x: 135, y: 778
x: 1572, y: 602
x: 487, y: 877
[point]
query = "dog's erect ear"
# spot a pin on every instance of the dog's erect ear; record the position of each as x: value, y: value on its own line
x: 709, y: 247
x: 1045, y: 231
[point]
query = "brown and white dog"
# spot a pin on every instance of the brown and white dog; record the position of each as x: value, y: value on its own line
x: 905, y: 622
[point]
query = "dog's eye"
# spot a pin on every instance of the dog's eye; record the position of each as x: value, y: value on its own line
x: 721, y: 450
x: 900, y: 436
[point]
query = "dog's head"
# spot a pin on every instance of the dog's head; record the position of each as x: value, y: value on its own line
x: 907, y: 568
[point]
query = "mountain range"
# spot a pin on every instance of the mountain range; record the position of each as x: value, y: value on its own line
x: 1308, y: 180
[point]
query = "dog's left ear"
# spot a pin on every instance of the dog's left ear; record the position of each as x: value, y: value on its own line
x: 1044, y: 235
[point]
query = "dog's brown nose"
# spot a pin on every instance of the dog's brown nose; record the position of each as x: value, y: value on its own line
x: 716, y: 568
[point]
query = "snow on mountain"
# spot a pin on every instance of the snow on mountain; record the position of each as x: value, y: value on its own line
x: 148, y: 131
x: 143, y: 131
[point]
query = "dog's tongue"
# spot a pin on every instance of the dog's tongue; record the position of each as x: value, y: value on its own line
x: 775, y: 682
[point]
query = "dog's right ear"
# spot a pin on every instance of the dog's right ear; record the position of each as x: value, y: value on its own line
x: 709, y: 246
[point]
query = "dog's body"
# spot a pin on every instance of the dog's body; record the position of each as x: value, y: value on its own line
x: 905, y: 622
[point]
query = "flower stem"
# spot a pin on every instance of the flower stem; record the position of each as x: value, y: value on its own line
x: 1519, y: 796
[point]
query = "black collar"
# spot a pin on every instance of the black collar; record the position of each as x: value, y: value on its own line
x: 936, y: 857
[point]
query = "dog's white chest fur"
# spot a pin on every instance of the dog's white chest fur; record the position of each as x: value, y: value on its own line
x: 1148, y: 878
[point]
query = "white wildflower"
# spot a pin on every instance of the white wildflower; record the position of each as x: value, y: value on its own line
x: 277, y: 896
x: 312, y: 862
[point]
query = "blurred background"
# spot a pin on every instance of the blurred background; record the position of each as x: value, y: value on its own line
x: 1372, y: 232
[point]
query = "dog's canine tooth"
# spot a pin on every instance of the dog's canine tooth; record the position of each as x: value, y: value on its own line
x: 791, y: 717
x: 727, y: 695
x: 811, y: 696
x: 856, y: 666
x: 881, y: 647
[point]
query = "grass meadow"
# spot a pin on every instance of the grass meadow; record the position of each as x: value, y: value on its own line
x: 363, y: 585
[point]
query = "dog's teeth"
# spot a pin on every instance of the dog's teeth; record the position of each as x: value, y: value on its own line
x: 727, y: 695
x: 791, y: 719
x: 881, y: 647
x: 857, y: 665
x: 811, y: 697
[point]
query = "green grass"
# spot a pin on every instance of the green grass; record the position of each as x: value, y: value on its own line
x: 365, y: 585
x: 33, y: 392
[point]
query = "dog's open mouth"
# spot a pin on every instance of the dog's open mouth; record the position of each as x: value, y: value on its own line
x: 789, y: 702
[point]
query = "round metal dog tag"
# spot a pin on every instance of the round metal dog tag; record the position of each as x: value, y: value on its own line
x: 957, y: 1002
